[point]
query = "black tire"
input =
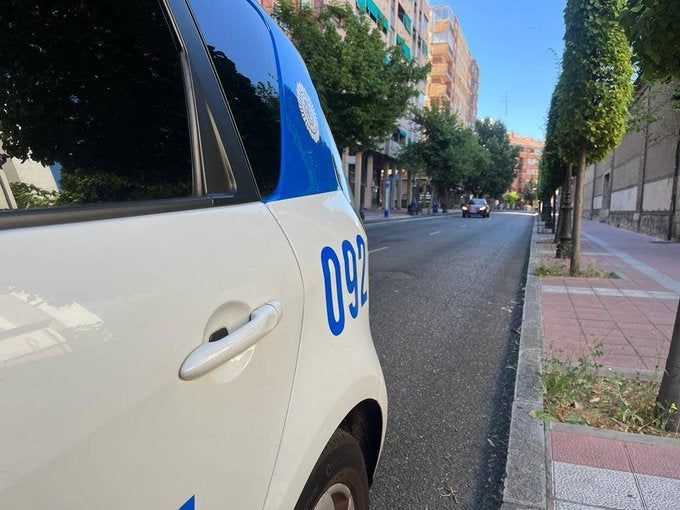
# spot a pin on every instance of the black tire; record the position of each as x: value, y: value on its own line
x: 341, y: 462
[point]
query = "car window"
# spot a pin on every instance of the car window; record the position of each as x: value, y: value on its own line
x: 242, y: 52
x: 93, y: 107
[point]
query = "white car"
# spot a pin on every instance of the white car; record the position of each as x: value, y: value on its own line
x: 184, y: 292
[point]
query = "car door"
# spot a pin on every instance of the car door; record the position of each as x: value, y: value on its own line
x: 150, y: 323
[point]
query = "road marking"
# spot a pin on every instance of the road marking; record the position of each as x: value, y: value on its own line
x: 435, y: 233
x: 378, y: 249
x: 464, y: 226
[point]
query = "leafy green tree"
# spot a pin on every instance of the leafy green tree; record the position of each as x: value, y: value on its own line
x: 554, y: 172
x: 594, y: 94
x: 652, y: 26
x: 497, y: 176
x: 364, y: 87
x: 510, y: 199
x: 529, y: 194
x: 447, y: 152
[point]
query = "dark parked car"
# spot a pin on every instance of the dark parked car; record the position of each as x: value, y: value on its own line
x: 477, y: 206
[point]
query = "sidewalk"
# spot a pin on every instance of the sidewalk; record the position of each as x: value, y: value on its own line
x: 378, y: 215
x: 632, y: 315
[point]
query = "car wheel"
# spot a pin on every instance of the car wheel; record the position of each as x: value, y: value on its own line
x: 339, y: 479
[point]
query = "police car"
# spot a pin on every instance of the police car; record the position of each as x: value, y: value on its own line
x: 184, y: 291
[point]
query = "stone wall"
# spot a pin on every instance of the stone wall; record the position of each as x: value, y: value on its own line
x: 632, y: 187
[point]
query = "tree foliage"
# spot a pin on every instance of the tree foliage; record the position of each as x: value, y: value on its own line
x: 594, y: 93
x: 496, y: 177
x: 447, y: 152
x: 364, y: 87
x: 75, y: 80
x: 596, y: 87
x: 652, y: 28
x: 551, y: 166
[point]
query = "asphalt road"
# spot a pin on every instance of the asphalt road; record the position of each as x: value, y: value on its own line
x: 445, y: 298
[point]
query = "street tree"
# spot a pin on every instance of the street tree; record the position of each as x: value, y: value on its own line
x: 553, y: 172
x: 495, y: 178
x: 447, y: 152
x: 364, y: 87
x: 594, y: 93
x: 651, y: 26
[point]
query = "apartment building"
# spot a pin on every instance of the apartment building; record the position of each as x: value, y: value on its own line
x: 373, y: 175
x: 454, y: 79
x: 529, y: 156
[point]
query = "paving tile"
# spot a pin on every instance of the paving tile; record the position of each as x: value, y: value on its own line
x: 588, y: 450
x: 660, y: 493
x: 619, y: 349
x: 566, y: 505
x: 655, y: 363
x: 653, y: 352
x: 595, y: 486
x: 614, y: 361
x: 655, y: 459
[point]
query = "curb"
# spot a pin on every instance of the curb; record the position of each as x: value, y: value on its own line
x: 526, y: 474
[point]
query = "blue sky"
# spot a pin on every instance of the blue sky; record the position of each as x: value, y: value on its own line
x: 517, y: 45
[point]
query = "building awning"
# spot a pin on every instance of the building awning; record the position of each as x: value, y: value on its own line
x: 361, y: 4
x: 403, y: 133
x: 406, y: 50
x: 400, y: 40
x: 407, y: 23
x: 374, y: 10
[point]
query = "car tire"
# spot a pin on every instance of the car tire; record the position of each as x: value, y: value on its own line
x: 339, y: 474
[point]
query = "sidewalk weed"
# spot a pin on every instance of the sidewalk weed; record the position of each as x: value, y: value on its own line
x: 560, y: 267
x: 578, y: 393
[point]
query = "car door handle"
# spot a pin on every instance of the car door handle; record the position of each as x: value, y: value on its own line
x: 210, y: 355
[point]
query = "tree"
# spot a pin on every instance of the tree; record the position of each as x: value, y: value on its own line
x: 594, y: 94
x: 652, y: 29
x: 529, y: 194
x: 554, y: 172
x: 510, y: 199
x: 48, y: 118
x: 498, y: 175
x: 447, y: 152
x: 363, y: 86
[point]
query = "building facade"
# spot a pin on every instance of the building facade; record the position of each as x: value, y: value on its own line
x: 636, y: 185
x: 454, y: 79
x: 527, y: 166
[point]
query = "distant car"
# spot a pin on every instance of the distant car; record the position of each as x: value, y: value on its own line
x: 179, y: 326
x: 477, y: 206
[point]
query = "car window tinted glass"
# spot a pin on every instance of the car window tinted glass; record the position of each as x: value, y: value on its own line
x: 92, y: 107
x: 477, y: 201
x: 241, y: 49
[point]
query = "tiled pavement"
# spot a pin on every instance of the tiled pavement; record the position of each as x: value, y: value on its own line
x: 633, y: 318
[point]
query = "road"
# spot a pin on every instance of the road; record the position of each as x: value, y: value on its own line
x: 445, y: 298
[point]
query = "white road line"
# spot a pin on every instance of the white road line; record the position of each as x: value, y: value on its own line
x: 378, y: 249
x: 464, y: 226
x: 435, y: 233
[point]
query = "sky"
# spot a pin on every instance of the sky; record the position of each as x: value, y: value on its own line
x: 517, y: 45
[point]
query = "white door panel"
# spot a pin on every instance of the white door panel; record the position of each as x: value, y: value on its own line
x: 337, y: 368
x: 96, y: 319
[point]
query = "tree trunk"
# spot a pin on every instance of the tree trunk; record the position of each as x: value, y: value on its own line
x: 575, y: 263
x: 669, y: 393
x: 558, y: 227
x: 674, y: 191
x: 566, y: 217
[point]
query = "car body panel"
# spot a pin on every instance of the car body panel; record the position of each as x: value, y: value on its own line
x: 335, y: 372
x: 97, y: 319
